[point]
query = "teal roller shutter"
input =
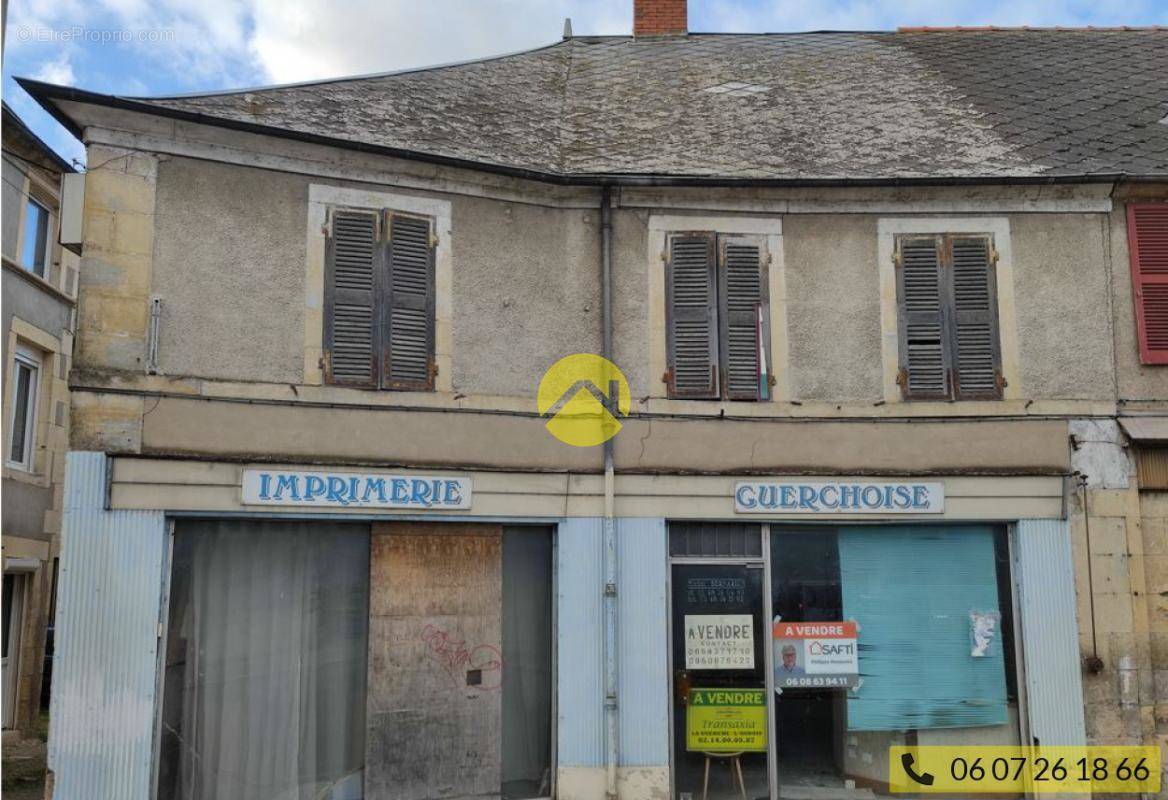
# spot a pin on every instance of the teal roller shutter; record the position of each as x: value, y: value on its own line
x: 911, y: 589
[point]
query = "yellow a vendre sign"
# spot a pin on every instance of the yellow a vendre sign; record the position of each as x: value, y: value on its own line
x: 726, y: 721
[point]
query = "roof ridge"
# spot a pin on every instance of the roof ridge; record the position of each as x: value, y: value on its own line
x: 350, y: 78
x: 1035, y: 28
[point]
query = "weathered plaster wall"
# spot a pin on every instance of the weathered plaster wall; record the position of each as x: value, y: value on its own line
x: 526, y: 292
x: 1118, y: 580
x: 1137, y: 383
x: 1061, y: 286
x: 1154, y: 522
x: 229, y: 265
x: 630, y: 293
x: 833, y: 307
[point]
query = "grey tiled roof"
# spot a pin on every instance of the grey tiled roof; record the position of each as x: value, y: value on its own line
x: 992, y: 103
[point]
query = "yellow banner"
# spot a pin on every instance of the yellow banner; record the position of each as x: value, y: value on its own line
x: 726, y: 721
x: 934, y: 769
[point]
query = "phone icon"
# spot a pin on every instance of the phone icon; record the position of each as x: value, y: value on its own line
x: 906, y: 761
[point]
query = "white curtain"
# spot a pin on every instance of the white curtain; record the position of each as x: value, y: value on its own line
x: 265, y: 685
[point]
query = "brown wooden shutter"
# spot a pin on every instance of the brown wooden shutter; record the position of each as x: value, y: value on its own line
x: 924, y: 356
x: 351, y: 340
x: 1147, y: 235
x: 974, y: 334
x: 742, y: 305
x: 692, y: 311
x: 408, y: 328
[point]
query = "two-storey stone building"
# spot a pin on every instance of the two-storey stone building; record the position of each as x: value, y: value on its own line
x: 39, y: 291
x: 889, y: 308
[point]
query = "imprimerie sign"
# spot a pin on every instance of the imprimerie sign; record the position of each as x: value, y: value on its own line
x: 279, y: 487
x: 839, y: 497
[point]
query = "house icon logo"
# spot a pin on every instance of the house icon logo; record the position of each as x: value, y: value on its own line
x: 583, y: 398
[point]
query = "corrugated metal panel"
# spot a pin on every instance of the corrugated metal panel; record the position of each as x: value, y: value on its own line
x: 104, y: 669
x: 1050, y: 632
x: 580, y: 635
x: 643, y: 642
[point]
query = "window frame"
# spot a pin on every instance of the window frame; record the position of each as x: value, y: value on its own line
x: 948, y: 316
x: 720, y: 385
x: 34, y: 362
x: 997, y: 225
x: 382, y: 290
x: 322, y: 198
x: 45, y: 238
x: 1149, y: 356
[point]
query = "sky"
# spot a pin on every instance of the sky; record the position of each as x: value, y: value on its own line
x: 161, y: 47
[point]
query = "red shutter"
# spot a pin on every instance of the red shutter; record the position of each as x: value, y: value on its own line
x: 1147, y: 239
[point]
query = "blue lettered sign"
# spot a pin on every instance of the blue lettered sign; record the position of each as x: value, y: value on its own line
x: 281, y: 487
x: 838, y: 497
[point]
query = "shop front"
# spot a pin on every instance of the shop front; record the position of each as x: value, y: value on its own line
x: 300, y: 631
x: 802, y: 652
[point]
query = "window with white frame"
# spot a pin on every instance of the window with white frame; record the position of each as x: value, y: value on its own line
x: 35, y: 248
x: 26, y: 371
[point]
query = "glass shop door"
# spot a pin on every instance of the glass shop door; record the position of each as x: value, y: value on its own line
x: 721, y: 728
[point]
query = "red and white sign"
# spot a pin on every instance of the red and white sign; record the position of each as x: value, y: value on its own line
x: 815, y: 655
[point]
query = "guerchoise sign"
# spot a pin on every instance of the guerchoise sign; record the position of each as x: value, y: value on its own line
x: 838, y: 497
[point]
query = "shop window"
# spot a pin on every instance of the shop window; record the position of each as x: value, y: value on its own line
x: 264, y: 687
x: 36, y: 243
x: 379, y: 300
x: 918, y: 630
x: 26, y: 370
x: 948, y: 318
x: 932, y: 646
x: 338, y: 661
x: 717, y: 316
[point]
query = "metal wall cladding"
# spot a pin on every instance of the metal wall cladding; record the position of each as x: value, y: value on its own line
x: 580, y: 642
x: 642, y: 642
x: 105, y: 664
x: 1050, y: 631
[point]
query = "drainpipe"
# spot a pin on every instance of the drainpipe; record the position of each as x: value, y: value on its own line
x: 610, y: 558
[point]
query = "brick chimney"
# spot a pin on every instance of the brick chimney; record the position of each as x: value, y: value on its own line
x: 659, y: 18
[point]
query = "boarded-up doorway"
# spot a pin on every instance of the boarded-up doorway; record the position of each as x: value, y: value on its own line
x: 435, y: 662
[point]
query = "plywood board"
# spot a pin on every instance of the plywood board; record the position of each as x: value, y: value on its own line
x: 434, y: 721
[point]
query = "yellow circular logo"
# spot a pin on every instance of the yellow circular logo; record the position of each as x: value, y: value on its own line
x: 582, y: 396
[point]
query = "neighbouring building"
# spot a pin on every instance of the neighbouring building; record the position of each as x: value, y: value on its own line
x: 893, y: 314
x: 39, y: 287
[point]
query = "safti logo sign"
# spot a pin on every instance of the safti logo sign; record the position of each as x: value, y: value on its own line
x: 583, y: 397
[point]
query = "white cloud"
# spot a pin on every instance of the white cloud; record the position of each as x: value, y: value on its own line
x: 313, y: 39
x: 217, y: 44
x: 57, y: 71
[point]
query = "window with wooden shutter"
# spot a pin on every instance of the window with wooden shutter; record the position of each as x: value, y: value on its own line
x: 379, y: 300
x: 741, y: 310
x: 717, y: 321
x: 690, y: 281
x: 977, y: 372
x: 1147, y: 233
x: 352, y: 256
x: 947, y: 318
x: 409, y: 321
